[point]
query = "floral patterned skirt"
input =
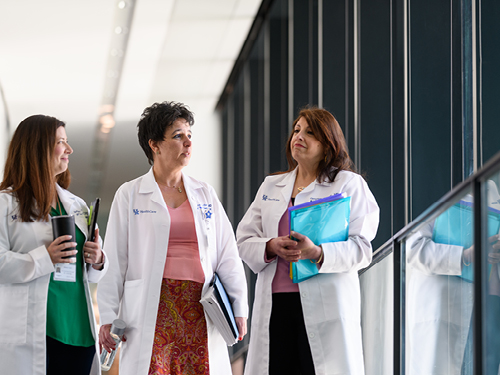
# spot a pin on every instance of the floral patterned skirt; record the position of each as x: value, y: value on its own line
x: 181, y: 343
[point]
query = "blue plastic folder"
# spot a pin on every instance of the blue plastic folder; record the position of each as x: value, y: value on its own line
x: 455, y: 226
x: 324, y: 220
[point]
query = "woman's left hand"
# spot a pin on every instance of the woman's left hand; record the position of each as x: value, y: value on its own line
x: 241, y: 323
x: 92, y: 252
x: 308, y: 250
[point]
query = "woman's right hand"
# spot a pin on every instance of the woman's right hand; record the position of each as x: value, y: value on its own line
x: 105, y: 339
x: 57, y: 250
x: 279, y: 246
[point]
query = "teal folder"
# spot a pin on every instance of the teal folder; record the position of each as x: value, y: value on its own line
x: 455, y: 226
x: 324, y: 220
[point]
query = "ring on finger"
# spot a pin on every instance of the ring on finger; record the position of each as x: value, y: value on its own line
x: 88, y: 255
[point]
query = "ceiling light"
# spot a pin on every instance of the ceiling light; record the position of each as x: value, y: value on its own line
x: 122, y: 4
x: 118, y: 30
x: 107, y: 121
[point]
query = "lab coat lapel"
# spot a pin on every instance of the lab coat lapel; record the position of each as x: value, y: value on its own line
x: 275, y: 212
x: 192, y: 191
x: 149, y: 186
x: 72, y: 207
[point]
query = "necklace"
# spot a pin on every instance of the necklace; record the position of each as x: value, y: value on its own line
x: 178, y: 188
x: 300, y: 188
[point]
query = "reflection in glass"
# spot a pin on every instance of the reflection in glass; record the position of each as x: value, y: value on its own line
x: 439, y: 299
x: 491, y: 296
x: 440, y: 257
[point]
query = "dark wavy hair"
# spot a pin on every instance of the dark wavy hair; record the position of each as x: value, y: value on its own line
x: 29, y: 169
x: 327, y: 130
x: 156, y: 119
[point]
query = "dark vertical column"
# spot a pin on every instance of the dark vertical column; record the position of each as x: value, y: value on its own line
x: 225, y: 155
x: 375, y: 143
x: 334, y: 60
x: 349, y: 76
x: 458, y: 173
x: 305, y: 53
x: 238, y: 141
x: 468, y: 88
x: 399, y: 120
x: 430, y: 61
x: 399, y: 333
x: 480, y: 282
x: 257, y: 120
x: 489, y: 80
x: 278, y: 85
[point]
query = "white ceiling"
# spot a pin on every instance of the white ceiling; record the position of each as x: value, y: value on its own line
x: 54, y: 56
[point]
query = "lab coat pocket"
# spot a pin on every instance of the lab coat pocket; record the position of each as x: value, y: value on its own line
x: 131, y: 302
x: 13, y: 314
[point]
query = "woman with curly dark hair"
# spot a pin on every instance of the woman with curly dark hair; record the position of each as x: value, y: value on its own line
x: 167, y: 234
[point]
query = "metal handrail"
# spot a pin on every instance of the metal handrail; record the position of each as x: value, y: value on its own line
x: 387, y: 248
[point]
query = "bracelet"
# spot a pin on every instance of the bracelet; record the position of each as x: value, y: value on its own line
x: 463, y: 261
x: 321, y: 256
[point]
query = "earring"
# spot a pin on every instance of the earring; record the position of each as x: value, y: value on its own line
x: 325, y: 158
x: 157, y: 152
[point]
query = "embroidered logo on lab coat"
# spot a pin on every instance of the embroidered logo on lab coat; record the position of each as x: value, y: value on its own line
x: 206, y: 210
x: 81, y: 213
x: 266, y: 198
x: 14, y: 218
x: 137, y: 211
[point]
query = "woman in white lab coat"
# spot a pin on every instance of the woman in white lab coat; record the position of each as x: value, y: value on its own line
x: 312, y: 327
x: 47, y: 324
x: 167, y: 234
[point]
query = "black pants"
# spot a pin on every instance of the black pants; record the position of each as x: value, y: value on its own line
x: 63, y: 359
x: 290, y: 353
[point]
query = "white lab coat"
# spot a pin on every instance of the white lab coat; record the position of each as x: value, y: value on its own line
x: 136, y: 243
x: 439, y: 302
x: 330, y: 300
x: 25, y: 269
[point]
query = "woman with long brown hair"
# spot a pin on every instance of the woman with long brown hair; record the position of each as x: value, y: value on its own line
x: 311, y: 327
x: 47, y: 324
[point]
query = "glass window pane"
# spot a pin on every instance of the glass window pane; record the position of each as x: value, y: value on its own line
x: 377, y: 305
x: 491, y: 283
x: 439, y: 294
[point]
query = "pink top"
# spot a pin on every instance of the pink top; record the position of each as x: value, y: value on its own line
x: 183, y: 257
x: 282, y: 282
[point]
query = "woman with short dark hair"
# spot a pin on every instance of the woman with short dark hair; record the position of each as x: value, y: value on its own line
x: 167, y: 234
x: 47, y: 323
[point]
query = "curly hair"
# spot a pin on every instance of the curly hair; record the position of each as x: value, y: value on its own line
x: 156, y: 119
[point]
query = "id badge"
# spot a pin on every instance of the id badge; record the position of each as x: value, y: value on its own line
x: 65, y: 272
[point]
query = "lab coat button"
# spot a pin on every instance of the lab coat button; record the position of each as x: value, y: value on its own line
x: 311, y: 335
x: 304, y: 294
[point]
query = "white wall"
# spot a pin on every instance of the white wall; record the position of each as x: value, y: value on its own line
x: 206, y: 160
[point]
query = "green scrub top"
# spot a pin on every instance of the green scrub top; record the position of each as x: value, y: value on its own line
x: 67, y: 312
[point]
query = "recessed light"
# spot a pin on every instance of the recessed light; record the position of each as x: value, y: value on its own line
x: 122, y: 4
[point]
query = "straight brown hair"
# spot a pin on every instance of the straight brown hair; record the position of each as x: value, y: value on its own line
x: 29, y: 170
x: 327, y: 130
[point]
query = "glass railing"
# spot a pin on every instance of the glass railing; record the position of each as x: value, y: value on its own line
x: 430, y: 299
